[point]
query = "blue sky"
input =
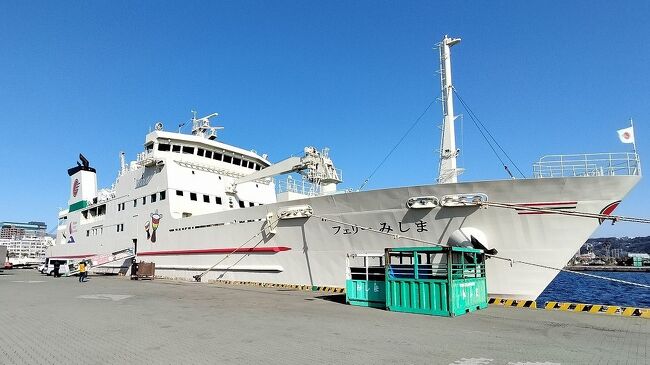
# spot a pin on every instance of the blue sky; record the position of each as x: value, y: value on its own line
x: 94, y: 76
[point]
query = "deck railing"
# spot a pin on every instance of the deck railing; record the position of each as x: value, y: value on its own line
x: 299, y: 186
x: 596, y: 164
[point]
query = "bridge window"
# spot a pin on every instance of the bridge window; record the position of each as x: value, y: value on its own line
x: 200, y: 151
x: 227, y: 159
x: 164, y: 147
x: 179, y: 192
x: 144, y: 200
x: 135, y: 203
x: 217, y: 199
x: 208, y: 154
x: 241, y: 204
x: 163, y: 195
x: 188, y: 150
x: 206, y: 198
x: 153, y: 198
x: 236, y: 161
x: 176, y: 148
x: 251, y: 204
x: 193, y: 196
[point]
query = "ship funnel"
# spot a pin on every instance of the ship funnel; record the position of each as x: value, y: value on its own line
x: 83, y: 184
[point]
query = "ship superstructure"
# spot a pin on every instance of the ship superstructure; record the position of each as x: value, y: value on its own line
x: 193, y: 204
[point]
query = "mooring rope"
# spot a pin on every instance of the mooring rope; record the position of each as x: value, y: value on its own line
x: 613, y: 218
x: 264, y: 228
x: 512, y: 261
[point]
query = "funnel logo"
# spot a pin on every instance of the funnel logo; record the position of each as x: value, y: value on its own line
x: 153, y: 225
x: 75, y: 187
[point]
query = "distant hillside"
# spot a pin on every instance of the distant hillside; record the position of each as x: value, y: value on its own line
x: 626, y: 244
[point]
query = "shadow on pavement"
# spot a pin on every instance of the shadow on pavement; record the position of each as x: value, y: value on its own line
x: 335, y: 298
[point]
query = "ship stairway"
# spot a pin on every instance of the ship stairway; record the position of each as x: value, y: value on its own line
x: 98, y: 261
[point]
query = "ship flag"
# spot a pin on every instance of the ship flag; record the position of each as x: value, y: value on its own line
x: 626, y: 135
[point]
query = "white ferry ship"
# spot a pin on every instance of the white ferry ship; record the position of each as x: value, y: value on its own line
x: 193, y: 204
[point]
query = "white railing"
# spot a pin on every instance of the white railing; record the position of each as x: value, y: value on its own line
x: 299, y: 186
x: 596, y: 164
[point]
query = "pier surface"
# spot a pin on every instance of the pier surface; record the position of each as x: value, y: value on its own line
x: 116, y: 320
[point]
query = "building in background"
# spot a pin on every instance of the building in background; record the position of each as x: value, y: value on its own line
x: 25, y: 239
x: 17, y: 230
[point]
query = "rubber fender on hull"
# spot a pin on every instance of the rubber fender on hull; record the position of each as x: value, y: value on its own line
x: 471, y: 237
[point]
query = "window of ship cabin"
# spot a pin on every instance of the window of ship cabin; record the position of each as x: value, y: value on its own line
x: 176, y: 148
x: 206, y: 198
x: 251, y: 165
x: 227, y: 158
x: 217, y: 156
x: 200, y: 151
x: 163, y: 195
x: 236, y: 161
x: 135, y: 203
x: 164, y: 147
x: 217, y: 199
x: 193, y: 196
x: 188, y: 150
x: 251, y: 204
x: 258, y: 167
x: 101, y: 210
x: 241, y: 204
x: 144, y: 200
x: 148, y: 147
x: 208, y: 154
x: 153, y: 198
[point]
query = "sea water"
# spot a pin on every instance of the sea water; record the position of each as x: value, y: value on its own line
x: 576, y: 288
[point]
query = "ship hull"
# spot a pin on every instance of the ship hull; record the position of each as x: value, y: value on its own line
x: 312, y: 251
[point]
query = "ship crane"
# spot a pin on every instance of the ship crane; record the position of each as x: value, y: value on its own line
x: 315, y: 166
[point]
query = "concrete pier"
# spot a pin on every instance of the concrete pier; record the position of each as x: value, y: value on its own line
x: 116, y: 320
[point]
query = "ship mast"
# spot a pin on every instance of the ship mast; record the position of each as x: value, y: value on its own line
x: 448, y: 172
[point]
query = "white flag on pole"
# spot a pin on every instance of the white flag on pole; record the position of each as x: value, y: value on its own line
x: 626, y: 135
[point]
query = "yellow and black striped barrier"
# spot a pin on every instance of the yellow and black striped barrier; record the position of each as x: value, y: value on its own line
x: 574, y: 307
x: 513, y: 303
x: 329, y: 289
x: 598, y: 308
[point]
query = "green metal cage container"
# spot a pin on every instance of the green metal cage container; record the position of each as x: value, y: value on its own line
x: 365, y: 283
x: 439, y: 281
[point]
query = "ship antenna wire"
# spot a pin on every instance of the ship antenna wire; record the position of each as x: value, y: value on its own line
x: 477, y: 121
x: 396, y: 145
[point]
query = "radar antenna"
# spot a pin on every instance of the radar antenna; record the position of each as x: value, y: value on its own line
x: 201, y: 126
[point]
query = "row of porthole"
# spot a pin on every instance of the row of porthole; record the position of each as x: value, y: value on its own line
x: 217, y: 199
x: 164, y: 147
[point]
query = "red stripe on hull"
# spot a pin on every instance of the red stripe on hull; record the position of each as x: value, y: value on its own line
x: 608, y: 210
x: 546, y: 204
x: 73, y: 256
x: 533, y: 211
x: 216, y: 251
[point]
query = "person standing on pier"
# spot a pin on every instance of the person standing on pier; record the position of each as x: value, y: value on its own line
x: 82, y: 271
x: 57, y: 267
